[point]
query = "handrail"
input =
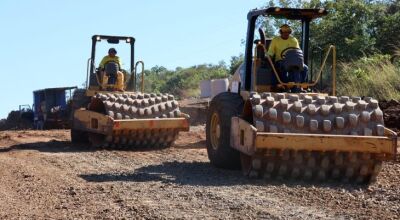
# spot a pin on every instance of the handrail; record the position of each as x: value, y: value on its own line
x: 313, y: 52
x: 136, y: 65
x: 254, y: 72
x: 333, y: 70
x: 98, y: 80
x: 131, y: 81
x: 331, y: 48
x: 90, y: 62
x: 87, y: 72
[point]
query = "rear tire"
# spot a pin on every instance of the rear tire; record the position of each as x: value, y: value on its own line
x: 79, y: 100
x: 218, y: 130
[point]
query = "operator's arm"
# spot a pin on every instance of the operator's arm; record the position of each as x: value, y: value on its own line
x: 296, y: 43
x: 119, y: 62
x: 103, y: 62
x: 272, y: 48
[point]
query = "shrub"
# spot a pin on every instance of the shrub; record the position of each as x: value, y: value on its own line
x: 373, y: 76
x: 183, y: 82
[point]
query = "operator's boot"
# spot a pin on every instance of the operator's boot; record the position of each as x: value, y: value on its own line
x: 104, y: 81
x: 120, y: 81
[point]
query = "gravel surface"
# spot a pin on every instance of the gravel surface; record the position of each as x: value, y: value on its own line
x: 44, y: 176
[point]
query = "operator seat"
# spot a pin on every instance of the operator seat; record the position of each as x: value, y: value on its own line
x: 111, y: 70
x: 293, y: 60
x: 113, y: 78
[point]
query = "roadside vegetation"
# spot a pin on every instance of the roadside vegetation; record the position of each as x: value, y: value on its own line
x: 184, y: 82
x: 373, y: 76
x: 364, y: 32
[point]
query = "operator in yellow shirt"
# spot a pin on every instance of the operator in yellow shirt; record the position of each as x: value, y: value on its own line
x: 279, y: 44
x: 111, y: 57
x: 110, y: 79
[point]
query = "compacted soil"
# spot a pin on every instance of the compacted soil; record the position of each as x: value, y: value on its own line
x: 44, y: 176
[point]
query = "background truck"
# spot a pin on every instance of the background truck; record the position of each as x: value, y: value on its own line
x: 52, y: 108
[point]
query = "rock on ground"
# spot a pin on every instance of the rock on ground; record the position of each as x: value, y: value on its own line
x: 44, y: 176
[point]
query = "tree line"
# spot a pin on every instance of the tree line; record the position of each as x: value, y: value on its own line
x: 358, y: 29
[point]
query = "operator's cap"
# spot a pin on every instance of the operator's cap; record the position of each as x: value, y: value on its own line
x: 285, y: 28
x: 112, y: 50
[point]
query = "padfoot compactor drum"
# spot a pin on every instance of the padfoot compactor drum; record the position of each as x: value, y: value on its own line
x: 286, y: 130
x: 115, y: 115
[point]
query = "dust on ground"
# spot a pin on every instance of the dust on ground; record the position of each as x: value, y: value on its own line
x: 44, y: 176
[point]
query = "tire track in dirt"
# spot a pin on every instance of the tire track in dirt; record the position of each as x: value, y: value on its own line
x: 44, y: 176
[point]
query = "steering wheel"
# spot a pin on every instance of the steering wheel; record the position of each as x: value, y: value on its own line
x: 283, y: 53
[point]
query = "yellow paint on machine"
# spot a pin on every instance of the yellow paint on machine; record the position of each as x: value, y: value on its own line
x: 103, y: 124
x: 246, y: 138
x: 161, y: 123
x: 321, y: 142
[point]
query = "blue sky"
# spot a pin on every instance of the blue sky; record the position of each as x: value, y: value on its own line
x: 46, y: 43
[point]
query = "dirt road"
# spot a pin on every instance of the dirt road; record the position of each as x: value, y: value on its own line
x: 42, y: 175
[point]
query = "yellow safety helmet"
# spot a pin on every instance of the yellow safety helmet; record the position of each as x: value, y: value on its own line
x: 285, y: 28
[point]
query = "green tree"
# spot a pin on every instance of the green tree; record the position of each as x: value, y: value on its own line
x: 386, y: 29
x: 356, y: 27
x: 236, y: 61
x: 347, y: 26
x: 182, y: 82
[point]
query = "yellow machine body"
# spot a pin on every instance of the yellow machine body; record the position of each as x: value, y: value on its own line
x: 130, y: 120
x: 248, y: 140
x: 271, y: 127
x: 117, y: 115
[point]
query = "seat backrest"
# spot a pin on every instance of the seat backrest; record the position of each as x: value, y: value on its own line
x: 294, y: 60
x: 111, y: 68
